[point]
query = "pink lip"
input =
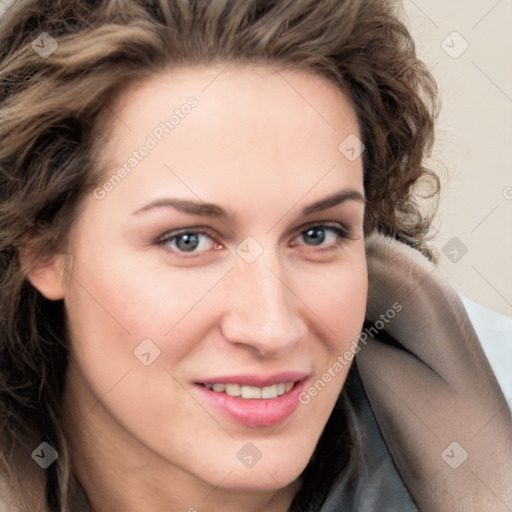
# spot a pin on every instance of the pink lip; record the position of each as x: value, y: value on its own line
x: 256, y: 412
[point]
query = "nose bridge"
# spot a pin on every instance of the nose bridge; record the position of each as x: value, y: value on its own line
x: 261, y: 311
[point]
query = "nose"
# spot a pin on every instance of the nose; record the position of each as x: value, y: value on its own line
x: 261, y: 310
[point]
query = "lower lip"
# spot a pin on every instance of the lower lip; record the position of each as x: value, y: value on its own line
x: 256, y: 412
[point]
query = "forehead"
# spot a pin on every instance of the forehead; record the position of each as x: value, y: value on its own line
x: 219, y: 131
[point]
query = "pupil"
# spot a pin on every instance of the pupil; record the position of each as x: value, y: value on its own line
x: 188, y: 242
x: 316, y: 235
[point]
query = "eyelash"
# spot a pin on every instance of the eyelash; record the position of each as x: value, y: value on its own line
x: 342, y: 234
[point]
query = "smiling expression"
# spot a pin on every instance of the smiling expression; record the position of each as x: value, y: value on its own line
x: 220, y: 277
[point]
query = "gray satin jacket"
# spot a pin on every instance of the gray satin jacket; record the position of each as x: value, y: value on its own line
x: 379, y: 486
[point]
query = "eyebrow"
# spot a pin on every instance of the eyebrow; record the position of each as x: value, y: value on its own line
x: 201, y: 208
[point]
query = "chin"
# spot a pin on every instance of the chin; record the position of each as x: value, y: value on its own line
x: 265, y: 477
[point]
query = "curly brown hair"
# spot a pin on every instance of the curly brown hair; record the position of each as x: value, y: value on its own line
x: 49, y: 146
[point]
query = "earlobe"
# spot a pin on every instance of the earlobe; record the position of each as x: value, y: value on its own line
x: 47, y: 277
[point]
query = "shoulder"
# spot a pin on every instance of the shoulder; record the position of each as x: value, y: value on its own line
x: 430, y: 385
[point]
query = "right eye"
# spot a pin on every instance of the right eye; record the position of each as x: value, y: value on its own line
x: 191, y: 241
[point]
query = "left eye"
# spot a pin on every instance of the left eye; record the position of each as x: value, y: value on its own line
x: 321, y: 235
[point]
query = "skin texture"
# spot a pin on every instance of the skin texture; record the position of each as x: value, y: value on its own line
x: 263, y: 145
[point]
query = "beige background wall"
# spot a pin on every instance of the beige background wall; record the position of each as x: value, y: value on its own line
x: 474, y: 144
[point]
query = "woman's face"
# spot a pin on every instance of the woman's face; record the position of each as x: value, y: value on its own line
x: 228, y: 253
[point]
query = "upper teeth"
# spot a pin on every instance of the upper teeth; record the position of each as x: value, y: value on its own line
x: 251, y: 391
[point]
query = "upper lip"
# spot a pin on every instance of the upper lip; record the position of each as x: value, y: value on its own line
x: 259, y: 381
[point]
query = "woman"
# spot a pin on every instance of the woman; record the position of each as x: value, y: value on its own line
x: 207, y: 211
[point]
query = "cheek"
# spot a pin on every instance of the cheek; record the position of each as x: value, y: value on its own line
x: 129, y: 327
x: 121, y: 297
x: 337, y: 297
x: 124, y: 316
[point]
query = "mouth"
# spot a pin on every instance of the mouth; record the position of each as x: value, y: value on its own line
x: 254, y: 401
